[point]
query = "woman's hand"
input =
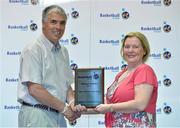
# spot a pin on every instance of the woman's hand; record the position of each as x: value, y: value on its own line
x: 103, y: 108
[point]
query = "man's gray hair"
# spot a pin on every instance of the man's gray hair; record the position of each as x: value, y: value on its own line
x: 53, y: 8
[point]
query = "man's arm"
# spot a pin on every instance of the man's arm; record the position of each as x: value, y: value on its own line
x: 70, y: 95
x: 44, y: 97
x: 71, y: 101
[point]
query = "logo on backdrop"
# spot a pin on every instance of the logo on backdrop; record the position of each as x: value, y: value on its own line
x: 112, y: 42
x: 124, y: 65
x: 151, y: 2
x: 158, y: 111
x: 18, y: 27
x: 101, y: 122
x: 151, y: 28
x: 167, y: 2
x: 74, y: 13
x: 122, y: 37
x: 64, y: 41
x: 73, y: 65
x: 167, y: 82
x: 166, y: 54
x: 167, y: 109
x: 23, y: 2
x: 11, y: 53
x: 116, y: 15
x: 125, y: 14
x: 33, y: 26
x: 11, y: 80
x: 112, y: 68
x: 12, y: 107
x: 74, y: 40
x: 159, y: 82
x: 155, y: 55
x: 110, y: 15
x: 34, y: 2
x: 166, y: 27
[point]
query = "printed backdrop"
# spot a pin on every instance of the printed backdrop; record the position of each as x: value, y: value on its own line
x: 93, y: 37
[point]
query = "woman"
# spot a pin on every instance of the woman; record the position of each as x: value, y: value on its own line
x: 131, y: 99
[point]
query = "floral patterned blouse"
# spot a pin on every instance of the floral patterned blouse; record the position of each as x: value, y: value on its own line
x: 124, y: 91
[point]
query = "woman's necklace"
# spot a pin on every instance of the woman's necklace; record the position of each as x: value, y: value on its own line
x: 124, y: 75
x: 115, y: 84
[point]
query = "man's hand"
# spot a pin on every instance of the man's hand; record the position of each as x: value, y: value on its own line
x: 77, y: 109
x: 69, y: 114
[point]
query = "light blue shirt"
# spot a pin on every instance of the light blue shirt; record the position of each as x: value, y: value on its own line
x: 47, y: 65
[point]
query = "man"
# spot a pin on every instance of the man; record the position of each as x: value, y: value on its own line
x: 45, y: 77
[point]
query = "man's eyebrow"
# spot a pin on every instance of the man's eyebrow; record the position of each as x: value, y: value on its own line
x: 58, y: 20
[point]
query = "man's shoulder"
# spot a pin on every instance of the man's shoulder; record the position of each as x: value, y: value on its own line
x: 32, y: 47
x: 64, y: 49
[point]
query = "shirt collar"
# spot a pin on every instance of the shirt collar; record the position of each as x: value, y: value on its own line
x: 50, y: 45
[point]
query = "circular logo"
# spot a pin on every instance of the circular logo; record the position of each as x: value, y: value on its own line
x: 125, y: 15
x: 74, y: 40
x: 167, y: 55
x: 34, y: 2
x: 167, y: 2
x: 33, y: 27
x: 167, y: 28
x: 74, y: 66
x: 95, y: 76
x: 123, y: 66
x: 167, y: 109
x: 75, y: 14
x: 167, y: 82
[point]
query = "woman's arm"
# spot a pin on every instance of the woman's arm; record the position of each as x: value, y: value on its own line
x: 142, y: 97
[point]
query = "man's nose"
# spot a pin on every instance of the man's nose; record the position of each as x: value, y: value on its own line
x: 58, y: 25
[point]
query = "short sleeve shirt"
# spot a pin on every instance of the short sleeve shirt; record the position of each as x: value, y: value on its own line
x: 125, y: 92
x: 46, y: 64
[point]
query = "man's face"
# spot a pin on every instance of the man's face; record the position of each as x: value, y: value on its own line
x: 54, y: 27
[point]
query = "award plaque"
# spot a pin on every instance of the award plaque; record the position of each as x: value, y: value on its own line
x: 89, y: 86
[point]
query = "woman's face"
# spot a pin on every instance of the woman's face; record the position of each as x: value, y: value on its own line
x: 133, y: 51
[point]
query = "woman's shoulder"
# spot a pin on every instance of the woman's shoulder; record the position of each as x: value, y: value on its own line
x: 120, y: 73
x: 144, y: 67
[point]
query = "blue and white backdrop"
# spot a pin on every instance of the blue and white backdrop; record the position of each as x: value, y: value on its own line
x: 93, y: 37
